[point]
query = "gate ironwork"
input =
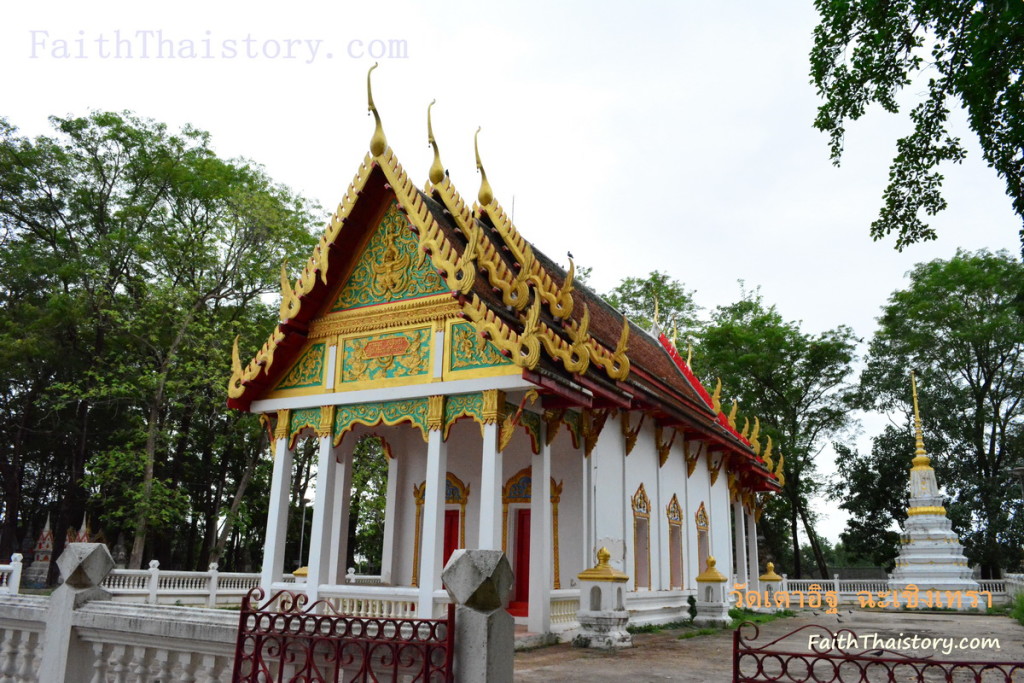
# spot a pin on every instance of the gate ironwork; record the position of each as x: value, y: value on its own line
x: 286, y: 639
x: 829, y: 659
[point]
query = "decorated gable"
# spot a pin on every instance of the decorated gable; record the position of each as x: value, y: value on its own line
x: 391, y: 268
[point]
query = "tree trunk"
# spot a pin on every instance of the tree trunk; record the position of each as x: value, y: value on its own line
x: 796, y: 541
x: 819, y: 556
x: 243, y: 483
x: 142, y: 517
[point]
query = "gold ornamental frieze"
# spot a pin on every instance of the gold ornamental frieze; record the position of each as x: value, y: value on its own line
x: 395, y: 357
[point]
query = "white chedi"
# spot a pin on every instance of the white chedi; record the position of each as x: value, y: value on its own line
x: 931, y: 557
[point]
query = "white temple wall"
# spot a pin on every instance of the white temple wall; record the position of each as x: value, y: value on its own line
x: 642, y: 468
x: 412, y: 470
x: 565, y: 469
x: 721, y: 523
x: 673, y: 482
x: 610, y: 498
x: 698, y: 490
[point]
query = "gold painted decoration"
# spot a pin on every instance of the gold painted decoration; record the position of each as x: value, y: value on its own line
x: 769, y: 463
x: 468, y: 350
x: 593, y: 424
x: 411, y: 312
x: 746, y: 427
x: 390, y: 268
x: 701, y: 518
x: 436, y: 173
x: 463, y: 405
x: 389, y: 356
x: 641, y: 503
x: 493, y: 406
x: 435, y: 413
x: 573, y: 421
x: 486, y: 195
x: 378, y: 143
x: 308, y: 371
x: 692, y: 458
x: 412, y: 410
x: 714, y: 470
x: 631, y: 435
x: 301, y: 419
x: 522, y: 349
x: 755, y: 442
x: 779, y: 472
x: 282, y: 425
x: 732, y: 414
x: 327, y: 424
x: 516, y: 416
x: 289, y: 299
x: 664, y: 447
x: 552, y: 421
x: 674, y: 511
x: 716, y: 397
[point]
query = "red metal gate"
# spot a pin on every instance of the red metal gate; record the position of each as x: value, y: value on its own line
x: 830, y: 659
x: 284, y: 639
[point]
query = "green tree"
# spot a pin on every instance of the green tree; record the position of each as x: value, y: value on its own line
x: 957, y: 325
x: 972, y: 55
x: 638, y: 298
x: 795, y: 383
x: 134, y: 255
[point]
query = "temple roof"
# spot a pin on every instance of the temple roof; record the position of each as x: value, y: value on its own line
x: 579, y: 350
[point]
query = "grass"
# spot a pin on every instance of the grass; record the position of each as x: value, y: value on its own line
x: 1017, y: 612
x: 740, y: 616
x: 699, y: 632
x: 658, y: 628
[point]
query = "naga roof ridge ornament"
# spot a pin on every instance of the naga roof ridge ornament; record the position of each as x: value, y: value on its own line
x: 436, y: 173
x: 378, y: 143
x: 486, y: 195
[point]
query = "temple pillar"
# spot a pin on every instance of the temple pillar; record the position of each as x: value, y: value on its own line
x: 323, y: 530
x: 387, y: 561
x: 541, y: 551
x: 739, y: 542
x: 277, y: 514
x: 341, y: 498
x: 752, y: 551
x: 491, y: 475
x: 610, y: 503
x: 432, y: 538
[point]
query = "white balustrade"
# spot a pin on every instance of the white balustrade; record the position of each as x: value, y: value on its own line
x: 564, y: 605
x: 171, y: 587
x: 10, y: 575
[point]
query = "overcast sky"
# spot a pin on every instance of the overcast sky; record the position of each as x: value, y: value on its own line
x: 660, y: 135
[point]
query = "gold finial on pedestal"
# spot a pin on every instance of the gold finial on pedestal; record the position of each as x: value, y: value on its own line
x: 711, y: 574
x: 436, y: 168
x: 486, y: 195
x: 378, y: 143
x: 921, y: 458
x: 769, y: 574
x: 603, y: 571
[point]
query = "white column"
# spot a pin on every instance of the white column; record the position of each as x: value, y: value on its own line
x: 610, y: 503
x: 739, y: 542
x: 323, y: 530
x: 589, y: 554
x: 491, y: 475
x: 658, y: 525
x: 387, y: 558
x: 541, y: 552
x: 342, y: 492
x: 432, y: 538
x: 277, y: 515
x: 755, y: 567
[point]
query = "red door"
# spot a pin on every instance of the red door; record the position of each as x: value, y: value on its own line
x: 451, y: 533
x: 518, y: 607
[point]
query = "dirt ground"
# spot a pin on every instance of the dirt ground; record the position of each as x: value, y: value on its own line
x: 664, y: 657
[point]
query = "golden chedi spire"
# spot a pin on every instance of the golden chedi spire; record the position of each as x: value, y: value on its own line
x: 436, y: 168
x: 921, y: 459
x: 485, y: 196
x: 378, y: 143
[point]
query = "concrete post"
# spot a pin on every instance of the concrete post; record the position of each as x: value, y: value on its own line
x: 154, y: 581
x: 387, y: 561
x: 342, y: 495
x: 479, y: 582
x: 14, y: 580
x: 770, y: 580
x: 212, y: 584
x: 83, y: 567
x: 752, y: 558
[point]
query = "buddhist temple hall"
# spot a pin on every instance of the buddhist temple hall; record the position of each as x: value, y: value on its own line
x: 518, y: 411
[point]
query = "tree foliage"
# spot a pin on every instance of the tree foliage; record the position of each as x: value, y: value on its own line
x: 132, y: 257
x: 972, y: 55
x: 795, y: 383
x: 638, y: 298
x: 958, y: 326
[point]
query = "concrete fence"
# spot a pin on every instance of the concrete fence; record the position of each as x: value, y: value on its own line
x: 10, y: 575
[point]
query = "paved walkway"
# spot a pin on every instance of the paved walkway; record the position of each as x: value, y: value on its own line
x: 663, y: 657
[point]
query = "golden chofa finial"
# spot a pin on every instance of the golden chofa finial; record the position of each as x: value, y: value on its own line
x: 921, y: 458
x: 655, y: 311
x: 689, y: 355
x: 675, y: 337
x: 716, y: 397
x: 485, y: 196
x: 436, y: 168
x: 732, y: 413
x: 378, y: 143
